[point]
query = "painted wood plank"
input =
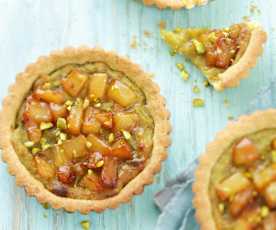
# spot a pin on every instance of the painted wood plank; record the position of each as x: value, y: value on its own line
x: 30, y: 28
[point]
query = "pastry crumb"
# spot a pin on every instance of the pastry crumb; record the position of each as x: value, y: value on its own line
x: 230, y: 118
x: 147, y: 33
x: 198, y: 102
x: 226, y: 102
x: 253, y: 8
x: 162, y: 24
x: 134, y: 43
x: 196, y: 89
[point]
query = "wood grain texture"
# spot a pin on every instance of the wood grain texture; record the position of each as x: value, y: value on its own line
x: 30, y: 28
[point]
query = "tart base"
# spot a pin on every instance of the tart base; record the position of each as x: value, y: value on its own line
x: 175, y: 4
x: 243, y: 126
x: 44, y: 65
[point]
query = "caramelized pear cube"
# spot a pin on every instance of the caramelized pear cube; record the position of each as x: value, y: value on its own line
x: 58, y: 111
x: 121, y: 94
x: 98, y: 145
x: 90, y: 124
x: 240, y: 201
x: 57, y: 96
x: 38, y: 112
x: 44, y: 169
x: 122, y: 150
x: 109, y: 172
x: 245, y: 153
x: 270, y: 195
x: 75, y: 147
x: 74, y: 83
x: 264, y: 177
x: 97, y: 85
x: 125, y: 121
x: 106, y: 119
x: 75, y: 118
x: 232, y: 185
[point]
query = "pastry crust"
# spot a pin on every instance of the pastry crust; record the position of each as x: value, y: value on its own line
x: 175, y: 4
x: 232, y: 76
x: 243, y: 126
x: 17, y: 93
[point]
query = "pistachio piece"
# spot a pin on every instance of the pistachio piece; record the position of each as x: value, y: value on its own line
x: 29, y: 144
x: 61, y: 123
x: 199, y: 46
x: 45, y: 125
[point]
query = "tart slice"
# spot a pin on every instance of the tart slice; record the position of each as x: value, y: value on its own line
x: 176, y: 4
x: 235, y: 182
x: 224, y: 56
x: 84, y: 129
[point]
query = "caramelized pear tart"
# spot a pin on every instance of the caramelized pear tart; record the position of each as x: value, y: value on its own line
x: 85, y: 128
x: 236, y: 178
x: 224, y: 56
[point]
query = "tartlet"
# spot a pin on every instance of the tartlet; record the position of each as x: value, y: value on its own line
x: 84, y: 129
x: 176, y: 4
x: 224, y: 56
x: 236, y: 178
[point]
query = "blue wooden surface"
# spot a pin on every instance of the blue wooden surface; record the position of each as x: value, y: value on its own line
x: 30, y: 28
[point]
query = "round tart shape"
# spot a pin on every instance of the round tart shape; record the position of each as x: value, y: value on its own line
x: 84, y: 129
x: 176, y: 4
x: 236, y: 178
x: 224, y: 56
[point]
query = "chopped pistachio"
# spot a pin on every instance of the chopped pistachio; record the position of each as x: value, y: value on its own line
x: 46, y: 205
x: 212, y: 37
x: 35, y: 150
x: 111, y: 137
x: 29, y: 144
x: 126, y: 134
x: 99, y: 163
x: 248, y: 174
x: 88, y: 144
x: 180, y: 66
x: 199, y: 46
x: 68, y: 103
x: 221, y: 207
x: 206, y: 83
x: 172, y: 52
x: 46, y: 85
x: 43, y: 141
x: 230, y: 118
x: 264, y: 211
x: 86, y: 103
x: 85, y: 224
x: 61, y: 123
x: 45, y: 146
x: 273, y: 156
x: 57, y: 132
x: 185, y: 75
x: 45, y: 125
x: 63, y: 136
x: 196, y: 89
x: 226, y: 102
x: 98, y: 105
x: 198, y: 102
x: 56, y: 83
x: 45, y: 214
x: 59, y: 142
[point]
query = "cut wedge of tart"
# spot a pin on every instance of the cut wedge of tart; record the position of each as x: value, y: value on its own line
x: 176, y: 4
x: 84, y: 129
x: 224, y: 56
x: 235, y: 182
